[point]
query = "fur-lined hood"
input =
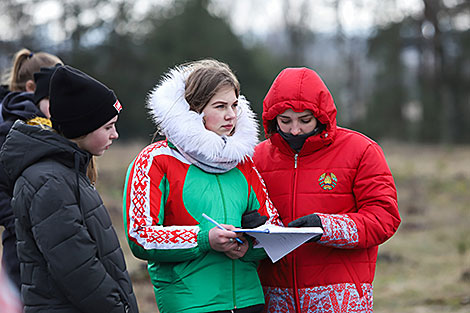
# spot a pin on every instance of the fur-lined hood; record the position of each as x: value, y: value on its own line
x: 184, y: 128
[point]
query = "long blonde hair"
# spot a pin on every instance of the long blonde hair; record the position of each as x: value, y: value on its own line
x: 92, y: 171
x: 25, y: 64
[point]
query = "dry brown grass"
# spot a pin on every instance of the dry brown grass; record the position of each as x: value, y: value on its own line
x: 424, y: 268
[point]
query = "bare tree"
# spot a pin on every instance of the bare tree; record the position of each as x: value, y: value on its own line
x: 297, y: 29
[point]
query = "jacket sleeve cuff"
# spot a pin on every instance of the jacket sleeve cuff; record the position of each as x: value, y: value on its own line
x: 203, y: 240
x: 339, y: 231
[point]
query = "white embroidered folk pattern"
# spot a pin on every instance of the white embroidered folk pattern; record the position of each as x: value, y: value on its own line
x: 339, y: 231
x: 142, y: 227
x: 338, y: 298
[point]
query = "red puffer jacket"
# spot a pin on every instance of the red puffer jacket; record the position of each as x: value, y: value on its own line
x: 343, y: 177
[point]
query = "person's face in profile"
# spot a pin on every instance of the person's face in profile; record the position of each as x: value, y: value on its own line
x: 99, y: 140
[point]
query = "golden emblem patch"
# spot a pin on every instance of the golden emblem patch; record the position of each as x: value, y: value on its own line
x: 327, y: 181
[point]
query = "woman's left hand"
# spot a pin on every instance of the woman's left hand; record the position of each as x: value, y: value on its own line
x: 238, y: 251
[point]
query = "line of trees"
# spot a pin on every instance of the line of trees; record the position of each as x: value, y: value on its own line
x: 407, y: 80
x: 432, y: 92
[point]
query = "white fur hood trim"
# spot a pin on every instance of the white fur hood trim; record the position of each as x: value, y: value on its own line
x: 185, y: 129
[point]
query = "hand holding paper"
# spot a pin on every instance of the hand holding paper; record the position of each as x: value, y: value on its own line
x: 311, y: 220
x: 218, y: 225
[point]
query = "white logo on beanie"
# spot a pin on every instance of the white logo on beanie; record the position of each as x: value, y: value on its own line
x: 117, y: 105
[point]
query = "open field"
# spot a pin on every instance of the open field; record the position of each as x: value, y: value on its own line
x: 424, y: 268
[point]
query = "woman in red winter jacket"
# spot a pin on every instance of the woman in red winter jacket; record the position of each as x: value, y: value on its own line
x: 319, y: 174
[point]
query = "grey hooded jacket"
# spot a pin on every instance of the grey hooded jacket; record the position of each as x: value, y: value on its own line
x: 69, y: 253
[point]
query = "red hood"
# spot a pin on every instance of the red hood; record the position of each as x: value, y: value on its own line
x: 300, y: 89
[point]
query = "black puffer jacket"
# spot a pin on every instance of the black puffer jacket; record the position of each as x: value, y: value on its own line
x: 3, y: 92
x: 15, y: 106
x: 70, y: 256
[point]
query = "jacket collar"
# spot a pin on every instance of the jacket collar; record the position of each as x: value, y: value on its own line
x: 311, y: 145
x: 19, y: 105
x: 27, y: 144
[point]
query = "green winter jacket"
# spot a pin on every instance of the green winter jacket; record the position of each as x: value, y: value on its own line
x: 165, y: 195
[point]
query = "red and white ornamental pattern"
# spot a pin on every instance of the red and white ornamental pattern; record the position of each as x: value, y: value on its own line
x: 142, y: 227
x: 339, y: 298
x: 339, y: 231
x: 272, y: 212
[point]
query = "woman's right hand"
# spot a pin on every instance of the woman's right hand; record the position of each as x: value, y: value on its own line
x: 223, y: 240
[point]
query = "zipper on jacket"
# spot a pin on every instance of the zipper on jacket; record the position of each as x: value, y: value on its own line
x: 294, y: 204
x: 225, y: 222
x: 222, y: 197
x: 233, y: 285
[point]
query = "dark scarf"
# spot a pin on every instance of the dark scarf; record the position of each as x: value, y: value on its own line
x: 297, y: 141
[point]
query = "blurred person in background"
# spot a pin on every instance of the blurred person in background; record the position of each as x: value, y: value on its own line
x: 19, y: 78
x: 31, y: 107
x: 71, y: 259
x: 25, y: 63
x: 321, y: 175
x: 203, y: 166
x: 25, y: 99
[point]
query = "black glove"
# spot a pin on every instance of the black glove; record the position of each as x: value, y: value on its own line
x: 311, y: 220
x: 252, y: 219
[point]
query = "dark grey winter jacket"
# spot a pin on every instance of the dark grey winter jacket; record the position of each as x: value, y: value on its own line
x: 15, y: 105
x: 70, y: 256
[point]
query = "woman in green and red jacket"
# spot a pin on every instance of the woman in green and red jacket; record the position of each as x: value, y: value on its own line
x: 319, y: 174
x: 203, y: 166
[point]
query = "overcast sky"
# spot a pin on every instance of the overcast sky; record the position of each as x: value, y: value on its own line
x: 357, y: 16
x: 257, y: 17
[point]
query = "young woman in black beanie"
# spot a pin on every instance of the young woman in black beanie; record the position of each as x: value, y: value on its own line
x: 70, y: 256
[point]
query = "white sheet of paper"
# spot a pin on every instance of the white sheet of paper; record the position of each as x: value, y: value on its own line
x: 278, y: 241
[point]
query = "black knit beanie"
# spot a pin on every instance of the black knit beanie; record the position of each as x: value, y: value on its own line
x: 79, y: 104
x: 42, y: 80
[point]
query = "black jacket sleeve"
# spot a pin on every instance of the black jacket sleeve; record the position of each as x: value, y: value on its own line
x: 7, y: 218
